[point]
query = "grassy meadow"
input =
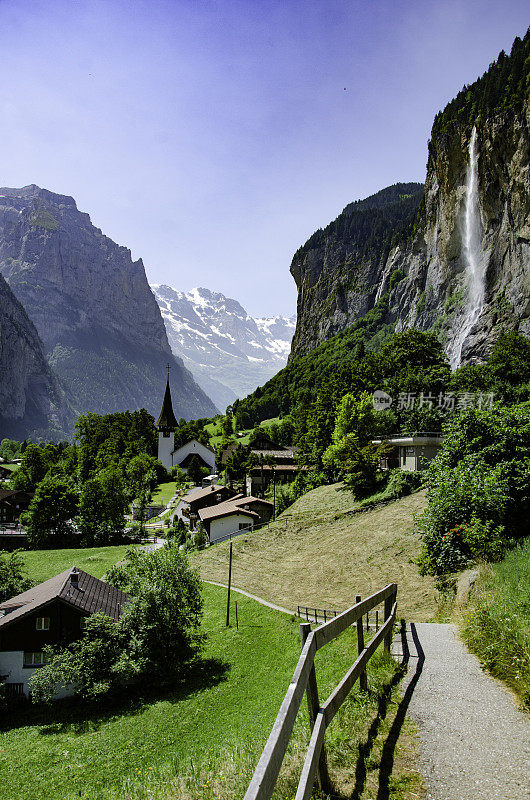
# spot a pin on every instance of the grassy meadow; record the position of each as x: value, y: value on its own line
x: 44, y: 564
x: 319, y: 554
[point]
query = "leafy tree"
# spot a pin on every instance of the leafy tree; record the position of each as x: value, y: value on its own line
x: 196, y: 470
x: 102, y: 506
x: 50, y: 512
x: 164, y: 614
x: 9, y: 449
x: 13, y: 576
x: 33, y: 468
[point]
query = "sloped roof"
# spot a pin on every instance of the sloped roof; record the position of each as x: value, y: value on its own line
x: 249, y: 500
x: 167, y: 417
x: 206, y: 446
x: 90, y: 595
x: 224, y: 510
x: 199, y: 494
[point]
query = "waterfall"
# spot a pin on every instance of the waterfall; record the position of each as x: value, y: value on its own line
x: 473, y: 255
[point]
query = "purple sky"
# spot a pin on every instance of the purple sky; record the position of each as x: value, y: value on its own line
x: 212, y: 138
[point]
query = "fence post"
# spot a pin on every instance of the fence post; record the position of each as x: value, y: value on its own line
x: 363, y: 683
x: 313, y: 705
x: 389, y: 602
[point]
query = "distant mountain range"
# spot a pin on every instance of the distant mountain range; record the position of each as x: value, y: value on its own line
x: 96, y: 320
x: 228, y: 352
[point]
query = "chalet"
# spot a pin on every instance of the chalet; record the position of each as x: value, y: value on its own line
x: 226, y: 518
x: 51, y: 613
x: 236, y: 514
x: 202, y: 498
x: 263, y: 508
x: 284, y: 470
x: 12, y: 503
x: 411, y: 452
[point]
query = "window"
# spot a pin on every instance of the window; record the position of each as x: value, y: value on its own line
x: 82, y: 622
x: 43, y: 623
x: 34, y: 659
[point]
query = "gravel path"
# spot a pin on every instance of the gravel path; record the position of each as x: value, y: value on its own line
x: 474, y: 742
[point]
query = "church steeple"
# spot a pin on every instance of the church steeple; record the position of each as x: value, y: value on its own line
x: 166, y: 424
x: 167, y: 417
x: 167, y: 420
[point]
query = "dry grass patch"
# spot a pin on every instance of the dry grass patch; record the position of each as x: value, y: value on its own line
x: 318, y: 554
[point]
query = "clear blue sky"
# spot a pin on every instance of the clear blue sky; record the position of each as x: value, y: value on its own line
x: 212, y: 138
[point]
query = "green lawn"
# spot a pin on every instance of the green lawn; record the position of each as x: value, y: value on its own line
x: 200, y: 740
x: 235, y: 698
x: 163, y: 493
x: 44, y: 564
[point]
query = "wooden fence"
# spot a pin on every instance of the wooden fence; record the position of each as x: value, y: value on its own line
x: 304, y: 680
x: 315, y: 615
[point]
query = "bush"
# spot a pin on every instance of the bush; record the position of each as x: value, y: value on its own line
x: 402, y: 483
x: 478, y: 489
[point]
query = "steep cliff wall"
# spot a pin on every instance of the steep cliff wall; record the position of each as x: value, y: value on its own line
x: 338, y: 270
x: 92, y: 306
x: 31, y: 400
x: 422, y: 280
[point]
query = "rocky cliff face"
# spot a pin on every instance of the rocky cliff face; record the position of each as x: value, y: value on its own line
x: 433, y: 294
x: 338, y: 271
x: 423, y: 278
x: 92, y: 306
x: 31, y: 400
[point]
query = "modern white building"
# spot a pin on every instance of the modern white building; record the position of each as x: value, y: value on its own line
x: 411, y: 452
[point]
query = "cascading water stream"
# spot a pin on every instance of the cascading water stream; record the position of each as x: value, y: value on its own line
x: 473, y: 255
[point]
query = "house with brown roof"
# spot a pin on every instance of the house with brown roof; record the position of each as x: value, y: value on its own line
x: 234, y: 515
x: 284, y: 469
x: 207, y: 496
x: 226, y: 518
x: 51, y: 613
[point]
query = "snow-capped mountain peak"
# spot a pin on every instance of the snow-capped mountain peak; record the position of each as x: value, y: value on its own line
x: 228, y: 351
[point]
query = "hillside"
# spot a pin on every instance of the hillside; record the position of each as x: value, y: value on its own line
x: 456, y: 262
x: 91, y: 304
x: 228, y: 352
x: 317, y: 554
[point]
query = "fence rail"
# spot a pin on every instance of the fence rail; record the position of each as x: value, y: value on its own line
x: 304, y: 681
x: 315, y: 614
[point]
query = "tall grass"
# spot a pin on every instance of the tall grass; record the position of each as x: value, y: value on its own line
x: 496, y: 625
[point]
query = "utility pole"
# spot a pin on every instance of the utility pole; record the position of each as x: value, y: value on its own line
x: 229, y: 584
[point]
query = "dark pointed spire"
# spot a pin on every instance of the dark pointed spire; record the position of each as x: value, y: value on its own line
x: 167, y: 418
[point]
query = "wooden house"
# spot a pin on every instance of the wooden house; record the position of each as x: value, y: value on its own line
x: 51, y: 613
